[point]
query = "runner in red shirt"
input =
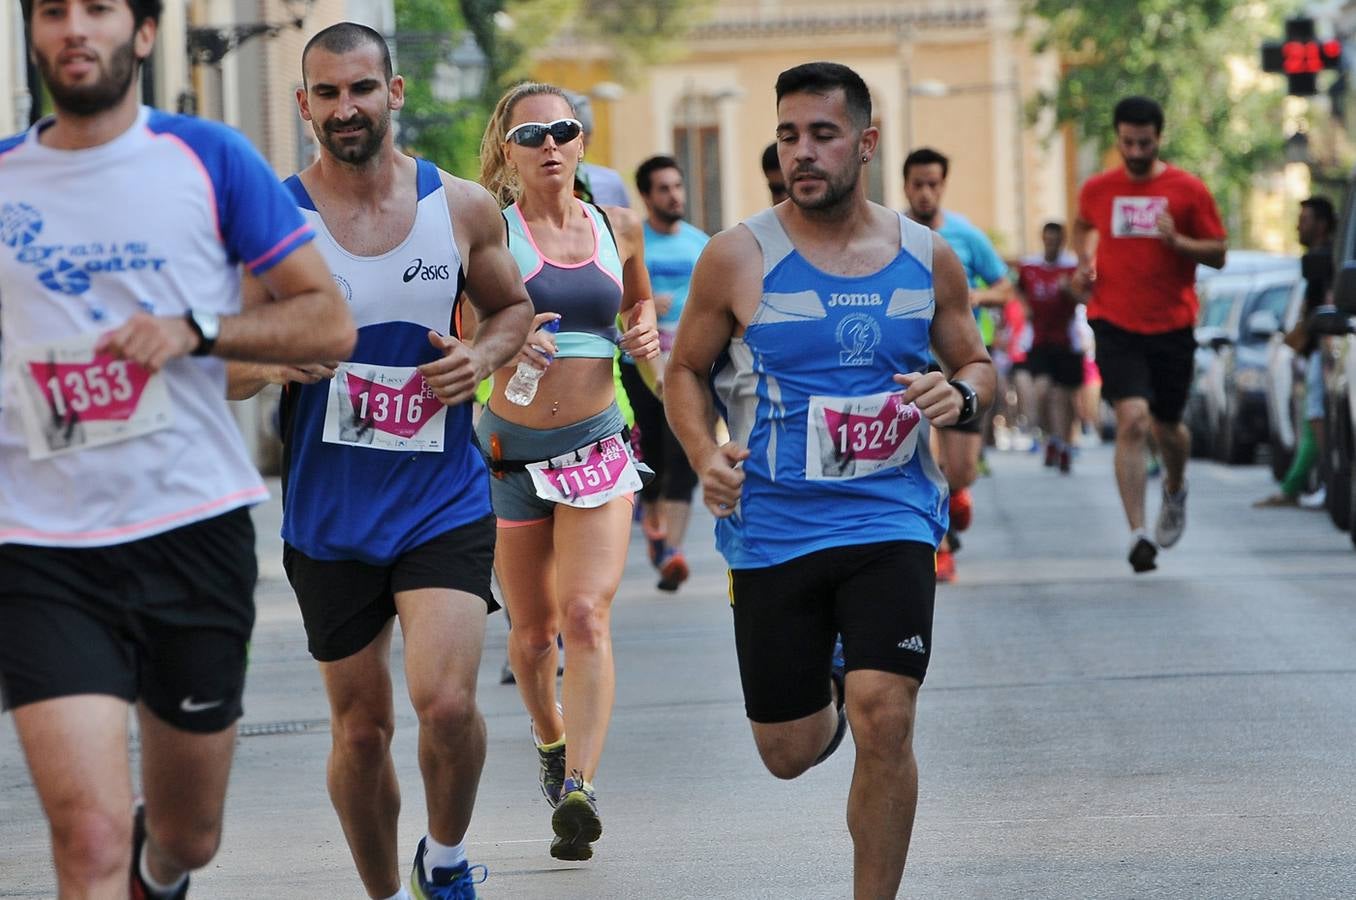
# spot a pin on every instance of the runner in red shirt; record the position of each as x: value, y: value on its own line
x: 1141, y: 231
x: 1043, y: 282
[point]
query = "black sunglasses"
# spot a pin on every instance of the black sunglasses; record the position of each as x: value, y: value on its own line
x: 533, y: 134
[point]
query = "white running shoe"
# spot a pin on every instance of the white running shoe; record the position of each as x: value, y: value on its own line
x: 1315, y: 500
x: 1171, y: 518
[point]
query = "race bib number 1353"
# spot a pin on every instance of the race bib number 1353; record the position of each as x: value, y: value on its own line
x: 74, y: 399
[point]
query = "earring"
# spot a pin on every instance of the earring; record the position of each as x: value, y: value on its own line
x: 866, y: 159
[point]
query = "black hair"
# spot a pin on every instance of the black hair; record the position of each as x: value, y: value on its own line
x: 345, y: 37
x: 770, y: 161
x: 1138, y: 111
x: 141, y: 10
x: 926, y: 156
x: 1053, y: 226
x: 649, y: 167
x: 826, y: 76
x: 1323, y: 211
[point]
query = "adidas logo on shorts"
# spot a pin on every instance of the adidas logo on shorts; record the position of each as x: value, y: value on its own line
x: 914, y: 643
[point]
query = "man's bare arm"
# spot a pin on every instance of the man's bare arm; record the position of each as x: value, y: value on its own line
x: 503, y: 310
x: 726, y: 272
x: 957, y: 344
x: 305, y: 320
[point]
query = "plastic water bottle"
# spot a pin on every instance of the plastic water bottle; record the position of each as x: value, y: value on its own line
x: 522, y: 387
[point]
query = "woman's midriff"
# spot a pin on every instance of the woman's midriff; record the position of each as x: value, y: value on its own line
x: 574, y: 388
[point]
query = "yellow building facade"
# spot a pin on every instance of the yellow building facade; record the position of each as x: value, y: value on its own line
x: 952, y: 76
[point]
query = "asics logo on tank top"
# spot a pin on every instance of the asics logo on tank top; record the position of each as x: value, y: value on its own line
x: 417, y: 269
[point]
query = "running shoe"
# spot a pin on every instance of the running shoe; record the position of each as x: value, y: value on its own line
x: 1171, y: 518
x: 837, y: 673
x: 1065, y: 461
x: 1316, y: 499
x: 552, y: 759
x: 946, y: 566
x: 673, y: 571
x: 139, y: 890
x: 1142, y: 553
x: 962, y: 508
x: 1051, y: 455
x: 455, y: 883
x: 575, y: 821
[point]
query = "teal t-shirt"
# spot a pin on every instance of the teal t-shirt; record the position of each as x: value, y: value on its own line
x: 669, y: 259
x: 983, y: 265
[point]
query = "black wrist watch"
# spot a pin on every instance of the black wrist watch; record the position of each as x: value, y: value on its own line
x: 206, y: 325
x: 969, y: 401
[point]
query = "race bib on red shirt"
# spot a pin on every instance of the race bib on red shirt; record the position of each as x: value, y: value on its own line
x: 1137, y: 216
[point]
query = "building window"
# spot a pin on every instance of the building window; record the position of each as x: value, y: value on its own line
x: 696, y: 146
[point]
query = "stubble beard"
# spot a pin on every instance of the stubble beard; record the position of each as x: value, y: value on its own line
x: 107, y: 92
x: 356, y: 155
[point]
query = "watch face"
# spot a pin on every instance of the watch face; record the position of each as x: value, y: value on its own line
x: 208, y: 323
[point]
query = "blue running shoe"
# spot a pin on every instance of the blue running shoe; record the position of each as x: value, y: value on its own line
x: 456, y: 883
x: 575, y: 821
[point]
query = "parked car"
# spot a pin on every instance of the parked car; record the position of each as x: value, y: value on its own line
x: 1242, y: 306
x: 1285, y: 389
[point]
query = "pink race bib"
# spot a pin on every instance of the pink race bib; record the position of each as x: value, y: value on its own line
x: 588, y: 477
x: 849, y: 437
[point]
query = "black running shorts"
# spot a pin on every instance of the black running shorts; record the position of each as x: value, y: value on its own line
x: 346, y: 603
x: 1156, y: 367
x: 659, y: 448
x: 164, y: 619
x: 1062, y: 365
x: 878, y: 596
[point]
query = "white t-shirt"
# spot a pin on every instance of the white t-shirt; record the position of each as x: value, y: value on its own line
x: 93, y: 451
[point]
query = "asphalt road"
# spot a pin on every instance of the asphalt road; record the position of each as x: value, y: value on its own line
x: 1083, y: 733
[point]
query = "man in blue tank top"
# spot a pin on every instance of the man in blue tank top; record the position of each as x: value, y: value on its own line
x: 811, y: 325
x: 386, y: 496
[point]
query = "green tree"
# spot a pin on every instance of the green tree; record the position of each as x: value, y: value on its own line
x: 447, y: 133
x: 1195, y: 58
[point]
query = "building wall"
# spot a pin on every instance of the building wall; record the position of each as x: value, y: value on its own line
x: 1004, y: 176
x: 13, y: 82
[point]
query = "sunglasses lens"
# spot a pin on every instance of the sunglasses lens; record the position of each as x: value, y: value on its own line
x: 564, y: 131
x: 531, y: 135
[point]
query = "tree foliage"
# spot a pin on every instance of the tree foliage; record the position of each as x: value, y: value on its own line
x: 1196, y: 58
x: 510, y: 33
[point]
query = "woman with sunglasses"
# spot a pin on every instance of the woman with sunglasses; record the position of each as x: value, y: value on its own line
x: 563, y: 473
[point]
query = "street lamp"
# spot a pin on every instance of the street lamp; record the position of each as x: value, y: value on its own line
x: 209, y: 44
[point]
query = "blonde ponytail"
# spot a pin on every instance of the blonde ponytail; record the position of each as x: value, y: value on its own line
x: 495, y: 174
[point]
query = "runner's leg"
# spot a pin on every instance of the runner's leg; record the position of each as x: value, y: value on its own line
x: 361, y: 774
x: 77, y: 753
x: 444, y: 633
x: 1132, y: 431
x: 524, y: 562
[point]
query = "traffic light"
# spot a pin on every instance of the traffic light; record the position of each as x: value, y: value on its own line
x: 1301, y: 56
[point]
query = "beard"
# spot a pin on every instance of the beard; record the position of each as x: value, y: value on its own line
x: 355, y: 154
x: 1139, y: 167
x: 669, y: 216
x: 836, y: 190
x: 107, y: 92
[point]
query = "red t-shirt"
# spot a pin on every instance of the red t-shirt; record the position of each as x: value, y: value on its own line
x: 1142, y: 284
x: 1052, y: 309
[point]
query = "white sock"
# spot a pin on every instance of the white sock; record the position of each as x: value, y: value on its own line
x: 156, y: 888
x: 441, y: 856
x: 401, y: 894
